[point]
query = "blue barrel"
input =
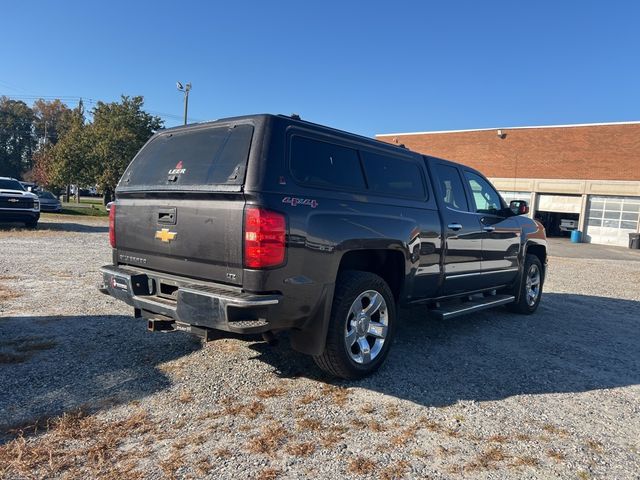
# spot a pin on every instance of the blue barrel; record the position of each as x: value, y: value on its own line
x: 576, y: 236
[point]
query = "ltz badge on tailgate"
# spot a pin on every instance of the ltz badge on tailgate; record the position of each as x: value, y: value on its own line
x: 165, y: 235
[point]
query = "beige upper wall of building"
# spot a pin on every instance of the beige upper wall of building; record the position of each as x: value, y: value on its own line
x: 568, y: 186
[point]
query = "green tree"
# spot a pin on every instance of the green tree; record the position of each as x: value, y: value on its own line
x: 72, y: 160
x: 51, y: 120
x: 118, y: 131
x: 16, y: 137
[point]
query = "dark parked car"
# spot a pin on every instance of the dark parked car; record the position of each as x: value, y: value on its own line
x: 49, y: 202
x: 267, y: 223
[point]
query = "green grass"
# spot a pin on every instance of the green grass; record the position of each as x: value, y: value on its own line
x: 88, y: 212
x: 91, y: 208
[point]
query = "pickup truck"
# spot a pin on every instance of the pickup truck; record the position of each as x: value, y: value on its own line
x: 18, y: 205
x: 267, y: 223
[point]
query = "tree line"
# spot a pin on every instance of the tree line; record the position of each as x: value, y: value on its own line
x: 57, y: 146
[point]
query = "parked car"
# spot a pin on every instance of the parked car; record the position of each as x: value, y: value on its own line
x: 18, y: 205
x: 299, y: 227
x: 49, y: 202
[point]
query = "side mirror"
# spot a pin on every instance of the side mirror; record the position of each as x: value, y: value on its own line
x: 519, y: 207
x: 29, y: 189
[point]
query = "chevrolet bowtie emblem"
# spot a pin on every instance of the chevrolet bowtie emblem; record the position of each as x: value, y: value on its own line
x: 13, y: 200
x: 165, y: 235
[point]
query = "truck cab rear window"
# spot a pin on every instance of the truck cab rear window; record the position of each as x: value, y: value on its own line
x: 325, y: 164
x: 207, y: 156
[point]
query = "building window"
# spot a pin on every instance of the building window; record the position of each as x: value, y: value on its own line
x: 614, y: 212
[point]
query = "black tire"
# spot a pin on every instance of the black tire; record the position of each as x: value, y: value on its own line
x: 31, y: 224
x: 337, y: 357
x: 523, y: 304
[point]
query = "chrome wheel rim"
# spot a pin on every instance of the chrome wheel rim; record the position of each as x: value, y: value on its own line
x: 366, y: 327
x: 533, y: 285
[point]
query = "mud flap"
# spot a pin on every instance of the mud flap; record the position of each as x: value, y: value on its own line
x: 312, y: 337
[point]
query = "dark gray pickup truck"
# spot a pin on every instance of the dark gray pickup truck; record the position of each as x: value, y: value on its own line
x: 267, y: 223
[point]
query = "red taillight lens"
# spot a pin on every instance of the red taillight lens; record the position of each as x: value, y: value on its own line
x: 112, y: 226
x: 264, y: 238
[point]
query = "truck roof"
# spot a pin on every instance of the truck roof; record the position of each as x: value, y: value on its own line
x: 295, y: 120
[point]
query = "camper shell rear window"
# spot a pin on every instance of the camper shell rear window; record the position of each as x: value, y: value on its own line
x: 197, y: 157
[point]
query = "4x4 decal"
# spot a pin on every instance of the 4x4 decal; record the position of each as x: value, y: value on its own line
x: 294, y: 202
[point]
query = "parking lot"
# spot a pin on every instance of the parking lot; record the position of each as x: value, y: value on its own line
x: 87, y: 391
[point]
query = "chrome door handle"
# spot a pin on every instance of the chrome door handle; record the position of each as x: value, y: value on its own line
x: 489, y: 229
x: 454, y: 226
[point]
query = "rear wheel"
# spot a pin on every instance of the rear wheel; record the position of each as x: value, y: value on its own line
x: 530, y: 291
x: 361, y: 327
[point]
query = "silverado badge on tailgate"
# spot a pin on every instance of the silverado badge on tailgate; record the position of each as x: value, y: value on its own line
x: 165, y: 235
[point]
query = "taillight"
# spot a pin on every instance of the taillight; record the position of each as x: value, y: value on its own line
x: 264, y: 238
x: 112, y: 225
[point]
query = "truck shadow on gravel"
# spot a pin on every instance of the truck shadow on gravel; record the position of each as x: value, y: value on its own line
x: 574, y: 343
x: 56, y: 364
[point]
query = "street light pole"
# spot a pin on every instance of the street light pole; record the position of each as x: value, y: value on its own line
x: 186, y: 88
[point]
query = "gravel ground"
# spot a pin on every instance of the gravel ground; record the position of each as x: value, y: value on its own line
x: 494, y: 395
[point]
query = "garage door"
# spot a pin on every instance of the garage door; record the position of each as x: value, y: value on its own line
x: 612, y: 219
x: 559, y: 203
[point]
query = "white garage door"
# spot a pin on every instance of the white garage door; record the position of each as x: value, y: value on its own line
x: 559, y: 203
x: 612, y: 219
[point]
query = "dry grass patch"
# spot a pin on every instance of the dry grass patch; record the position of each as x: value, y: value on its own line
x: 556, y: 455
x: 185, y: 396
x: 339, y: 395
x: 269, y: 473
x: 595, y: 446
x: 395, y: 471
x: 309, y: 398
x: 393, y: 411
x: 222, y: 452
x: 307, y: 423
x: 367, y: 409
x: 302, y: 449
x: 498, y: 439
x: 525, y: 462
x: 552, y: 429
x: 272, y: 392
x: 431, y: 425
x: 203, y: 465
x: 78, y: 446
x: 361, y: 466
x: 404, y: 437
x: 271, y: 438
x: 23, y: 348
x: 487, y: 460
x: 7, y: 293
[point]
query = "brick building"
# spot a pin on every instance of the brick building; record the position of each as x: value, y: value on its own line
x: 582, y: 175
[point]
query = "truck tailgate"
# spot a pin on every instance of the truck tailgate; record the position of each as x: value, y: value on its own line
x: 198, y: 237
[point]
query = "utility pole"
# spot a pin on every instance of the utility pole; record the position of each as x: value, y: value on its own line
x: 186, y: 89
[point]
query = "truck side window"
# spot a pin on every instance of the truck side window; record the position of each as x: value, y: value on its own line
x: 485, y: 197
x: 392, y: 175
x: 325, y: 164
x: 451, y: 187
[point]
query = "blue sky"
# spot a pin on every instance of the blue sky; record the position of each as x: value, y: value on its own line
x: 364, y: 66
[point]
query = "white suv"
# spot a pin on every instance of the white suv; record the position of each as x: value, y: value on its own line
x: 18, y: 205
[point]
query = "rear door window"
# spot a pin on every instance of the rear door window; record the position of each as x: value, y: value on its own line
x: 325, y: 164
x: 393, y: 175
x: 451, y: 187
x: 204, y: 156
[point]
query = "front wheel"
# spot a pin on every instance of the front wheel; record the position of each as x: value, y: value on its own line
x: 31, y: 224
x: 530, y: 290
x: 361, y: 327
